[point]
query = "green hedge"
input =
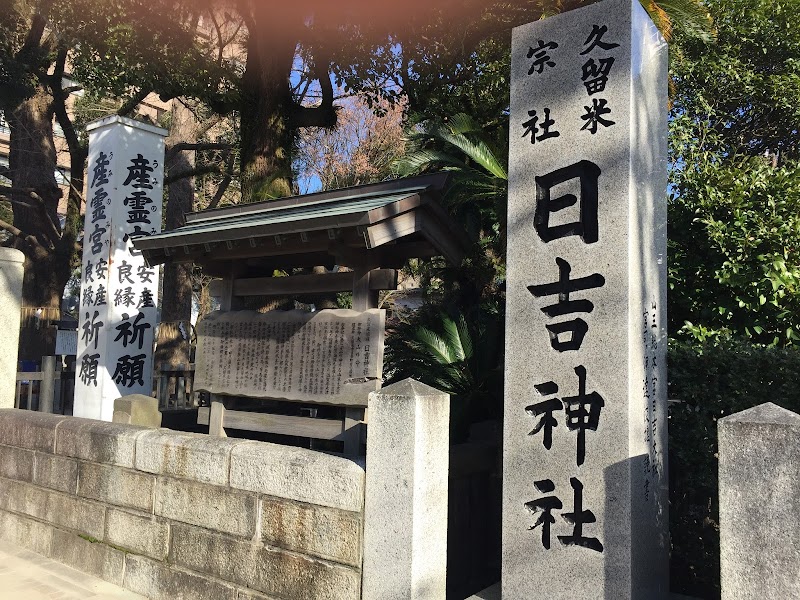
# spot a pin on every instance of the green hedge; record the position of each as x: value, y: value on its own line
x: 711, y: 382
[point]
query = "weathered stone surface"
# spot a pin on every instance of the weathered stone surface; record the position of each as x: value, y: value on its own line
x: 185, y: 455
x: 87, y: 518
x: 759, y: 503
x: 137, y: 409
x: 160, y: 582
x: 405, y: 515
x: 298, y: 474
x: 53, y: 507
x: 273, y: 572
x: 585, y: 371
x: 11, y: 274
x: 97, y: 441
x: 138, y: 533
x: 88, y: 556
x: 323, y: 532
x: 25, y: 532
x: 56, y: 472
x: 209, y: 506
x: 116, y: 486
x: 27, y: 429
x: 16, y: 463
x: 23, y: 498
x: 251, y: 595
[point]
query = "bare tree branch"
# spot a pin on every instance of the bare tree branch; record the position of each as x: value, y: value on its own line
x: 12, y: 230
x: 201, y: 170
x: 32, y: 201
x: 9, y: 192
x: 180, y: 147
x: 23, y: 237
x: 323, y: 115
x: 131, y: 103
x: 223, y: 187
x: 34, y: 37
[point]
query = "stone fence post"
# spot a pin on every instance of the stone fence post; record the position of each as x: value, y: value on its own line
x: 11, y: 271
x: 759, y: 503
x: 405, y: 513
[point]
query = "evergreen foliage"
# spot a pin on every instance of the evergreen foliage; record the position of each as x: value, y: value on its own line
x: 735, y: 178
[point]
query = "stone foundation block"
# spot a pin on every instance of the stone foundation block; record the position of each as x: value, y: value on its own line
x: 138, y: 533
x: 97, y: 441
x: 158, y: 582
x: 324, y: 532
x: 87, y: 518
x: 273, y: 572
x: 197, y: 457
x: 26, y: 533
x: 88, y: 556
x: 116, y: 486
x: 56, y: 472
x: 298, y: 474
x: 55, y: 508
x: 208, y: 506
x: 137, y: 409
x: 16, y: 463
x: 19, y: 497
x: 26, y: 429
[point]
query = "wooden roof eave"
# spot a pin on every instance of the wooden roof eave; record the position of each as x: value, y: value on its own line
x: 416, y: 221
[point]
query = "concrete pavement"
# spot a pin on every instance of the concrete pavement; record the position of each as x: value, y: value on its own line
x: 25, y: 575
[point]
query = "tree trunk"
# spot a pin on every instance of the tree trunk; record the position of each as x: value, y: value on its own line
x: 266, y: 146
x: 176, y: 295
x: 32, y: 163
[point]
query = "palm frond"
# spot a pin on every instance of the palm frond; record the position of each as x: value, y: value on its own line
x: 478, y: 151
x: 465, y: 336
x: 421, y: 160
x: 453, y: 338
x: 462, y: 123
x: 435, y: 345
x: 688, y: 16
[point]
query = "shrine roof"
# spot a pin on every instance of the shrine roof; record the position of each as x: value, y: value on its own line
x: 389, y: 221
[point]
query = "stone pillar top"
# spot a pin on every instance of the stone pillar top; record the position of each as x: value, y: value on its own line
x: 117, y: 119
x: 767, y: 413
x: 409, y: 387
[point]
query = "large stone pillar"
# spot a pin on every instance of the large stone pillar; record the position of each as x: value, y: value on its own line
x: 405, y: 512
x: 584, y: 482
x: 119, y: 292
x: 11, y: 271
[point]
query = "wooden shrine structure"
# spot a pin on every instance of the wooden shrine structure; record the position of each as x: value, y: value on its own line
x: 370, y: 229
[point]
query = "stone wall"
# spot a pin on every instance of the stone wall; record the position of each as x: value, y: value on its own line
x: 174, y: 515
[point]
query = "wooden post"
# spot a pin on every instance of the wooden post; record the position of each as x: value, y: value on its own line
x: 47, y: 384
x: 353, y: 422
x: 226, y: 300
x: 162, y: 385
x: 363, y: 299
x: 180, y: 385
